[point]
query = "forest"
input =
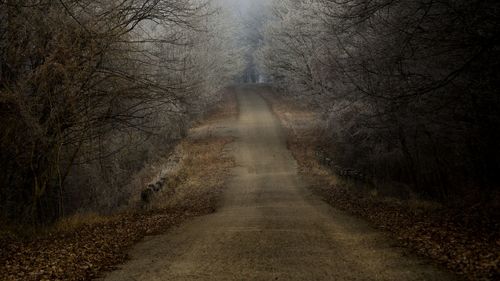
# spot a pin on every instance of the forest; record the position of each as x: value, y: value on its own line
x: 91, y: 91
x: 408, y: 89
x: 249, y: 140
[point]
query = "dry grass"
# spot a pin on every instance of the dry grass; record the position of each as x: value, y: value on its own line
x: 82, y: 246
x: 201, y: 177
x: 203, y: 167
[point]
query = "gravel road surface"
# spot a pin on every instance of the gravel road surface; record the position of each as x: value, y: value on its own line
x: 269, y: 226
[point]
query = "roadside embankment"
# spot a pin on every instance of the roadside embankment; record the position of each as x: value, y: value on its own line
x: 466, y: 240
x: 82, y: 246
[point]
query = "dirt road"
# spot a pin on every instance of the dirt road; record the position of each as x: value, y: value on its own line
x: 269, y: 227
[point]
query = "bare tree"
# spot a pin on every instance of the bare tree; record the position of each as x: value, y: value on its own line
x: 409, y: 85
x: 83, y: 81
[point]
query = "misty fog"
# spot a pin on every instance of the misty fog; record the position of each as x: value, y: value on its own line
x: 132, y: 114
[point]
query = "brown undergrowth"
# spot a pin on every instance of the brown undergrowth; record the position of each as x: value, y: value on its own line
x: 82, y: 246
x: 464, y: 240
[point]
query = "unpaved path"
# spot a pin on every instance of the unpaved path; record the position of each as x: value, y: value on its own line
x: 269, y: 227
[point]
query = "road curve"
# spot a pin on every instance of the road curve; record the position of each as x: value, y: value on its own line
x: 269, y: 227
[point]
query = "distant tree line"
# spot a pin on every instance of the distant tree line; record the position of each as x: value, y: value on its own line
x: 408, y: 88
x: 92, y: 91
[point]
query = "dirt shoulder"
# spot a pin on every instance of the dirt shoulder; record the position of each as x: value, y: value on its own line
x: 84, y: 246
x: 466, y: 241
